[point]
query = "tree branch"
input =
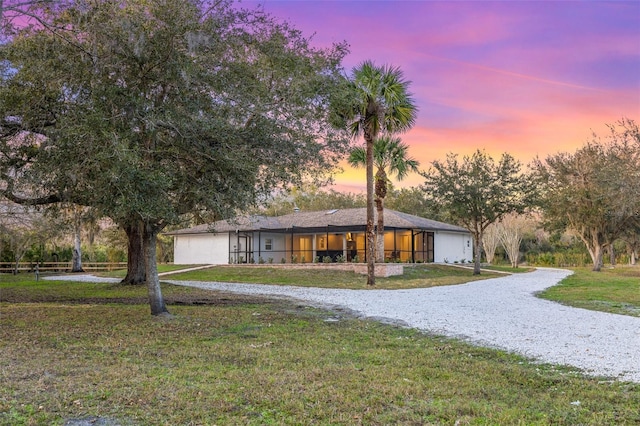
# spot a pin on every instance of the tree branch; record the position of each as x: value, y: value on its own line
x: 38, y: 201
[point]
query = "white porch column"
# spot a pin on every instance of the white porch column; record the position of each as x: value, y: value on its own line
x: 344, y: 245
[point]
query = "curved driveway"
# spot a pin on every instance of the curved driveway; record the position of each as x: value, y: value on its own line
x: 501, y: 312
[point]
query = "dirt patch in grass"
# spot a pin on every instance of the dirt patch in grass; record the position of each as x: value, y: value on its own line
x: 97, y: 421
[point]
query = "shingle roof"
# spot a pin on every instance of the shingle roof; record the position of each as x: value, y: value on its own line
x: 319, y: 219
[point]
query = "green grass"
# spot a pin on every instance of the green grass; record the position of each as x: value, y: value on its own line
x: 508, y: 268
x: 415, y: 276
x: 615, y: 290
x: 72, y: 350
x: 162, y: 267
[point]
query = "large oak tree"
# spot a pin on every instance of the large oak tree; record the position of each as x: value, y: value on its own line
x: 153, y: 111
x: 478, y: 192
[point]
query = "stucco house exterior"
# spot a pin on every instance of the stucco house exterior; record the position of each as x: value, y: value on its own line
x: 303, y: 237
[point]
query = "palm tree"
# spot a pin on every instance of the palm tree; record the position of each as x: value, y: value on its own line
x: 381, y: 104
x: 390, y: 157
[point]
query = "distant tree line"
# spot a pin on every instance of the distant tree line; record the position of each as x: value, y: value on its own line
x: 595, y: 192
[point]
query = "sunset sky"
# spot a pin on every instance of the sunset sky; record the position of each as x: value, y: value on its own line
x: 527, y: 78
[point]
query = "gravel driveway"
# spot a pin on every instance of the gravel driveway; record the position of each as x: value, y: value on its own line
x: 501, y: 313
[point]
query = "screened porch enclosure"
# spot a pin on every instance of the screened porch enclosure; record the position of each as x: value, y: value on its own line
x: 307, y: 246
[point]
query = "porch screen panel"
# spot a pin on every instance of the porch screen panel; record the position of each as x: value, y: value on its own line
x: 360, y: 239
x: 403, y: 246
x: 303, y: 248
x: 423, y: 245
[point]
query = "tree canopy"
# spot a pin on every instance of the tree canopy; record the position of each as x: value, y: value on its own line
x: 478, y: 191
x: 152, y: 111
x: 594, y: 192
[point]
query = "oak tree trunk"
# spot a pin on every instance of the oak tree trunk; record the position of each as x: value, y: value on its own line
x: 156, y: 301
x: 612, y: 255
x: 595, y: 244
x: 135, y: 258
x: 597, y: 253
x: 597, y: 263
x: 76, y: 259
x: 477, y: 248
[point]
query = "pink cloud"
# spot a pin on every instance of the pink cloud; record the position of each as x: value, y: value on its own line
x: 528, y: 78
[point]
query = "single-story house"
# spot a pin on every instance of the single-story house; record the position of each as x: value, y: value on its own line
x: 305, y: 237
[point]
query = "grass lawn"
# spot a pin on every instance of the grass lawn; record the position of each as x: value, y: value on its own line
x: 73, y: 350
x: 615, y: 290
x: 415, y: 276
x: 508, y: 268
x: 162, y: 267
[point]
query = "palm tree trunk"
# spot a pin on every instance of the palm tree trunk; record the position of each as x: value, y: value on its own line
x: 371, y: 236
x: 380, y: 231
x: 380, y: 193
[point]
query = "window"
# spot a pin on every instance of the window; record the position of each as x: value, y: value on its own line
x: 268, y: 244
